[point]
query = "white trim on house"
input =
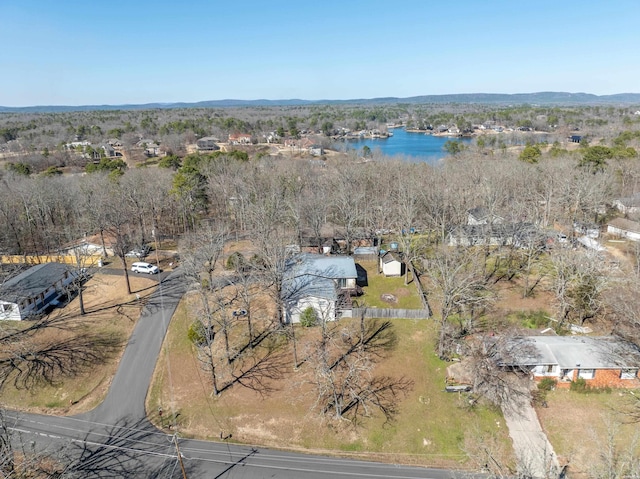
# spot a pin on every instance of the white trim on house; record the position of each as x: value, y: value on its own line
x: 317, y: 281
x: 624, y: 228
x: 32, y: 291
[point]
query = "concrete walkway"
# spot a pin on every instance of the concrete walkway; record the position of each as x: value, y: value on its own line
x: 535, y: 454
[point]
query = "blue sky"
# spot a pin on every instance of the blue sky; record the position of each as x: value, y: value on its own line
x: 72, y: 52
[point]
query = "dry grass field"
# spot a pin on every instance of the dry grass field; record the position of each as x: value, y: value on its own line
x: 430, y: 428
x: 583, y: 428
x: 110, y: 310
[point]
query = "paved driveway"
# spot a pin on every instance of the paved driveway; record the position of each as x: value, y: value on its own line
x: 535, y: 454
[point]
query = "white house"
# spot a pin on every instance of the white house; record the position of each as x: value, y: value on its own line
x: 324, y: 283
x: 31, y: 291
x: 482, y: 216
x: 624, y: 228
x: 391, y: 264
x: 629, y: 205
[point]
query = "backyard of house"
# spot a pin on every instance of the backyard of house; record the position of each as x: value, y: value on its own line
x: 432, y: 427
x: 387, y: 292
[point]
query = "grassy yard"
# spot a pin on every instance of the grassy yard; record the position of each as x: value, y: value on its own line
x: 578, y: 425
x: 406, y: 295
x: 430, y: 428
x: 110, y: 311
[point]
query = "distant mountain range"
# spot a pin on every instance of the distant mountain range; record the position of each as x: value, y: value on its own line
x: 540, y: 98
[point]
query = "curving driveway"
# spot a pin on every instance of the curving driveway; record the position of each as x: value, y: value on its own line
x: 115, y: 440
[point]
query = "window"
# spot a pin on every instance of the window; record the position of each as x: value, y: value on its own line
x: 629, y: 373
x: 586, y: 373
x: 551, y: 368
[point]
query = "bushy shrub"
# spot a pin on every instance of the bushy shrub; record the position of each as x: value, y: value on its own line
x: 197, y: 333
x: 258, y: 261
x: 308, y: 317
x: 547, y: 384
x: 235, y: 262
x: 579, y: 386
x: 539, y: 397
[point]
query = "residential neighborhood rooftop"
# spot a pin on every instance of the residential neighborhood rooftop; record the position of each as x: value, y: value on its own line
x: 32, y: 281
x: 314, y: 275
x: 625, y: 224
x: 585, y: 352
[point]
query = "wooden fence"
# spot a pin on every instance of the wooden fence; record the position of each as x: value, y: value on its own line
x: 421, y: 292
x: 390, y: 313
x: 87, y: 261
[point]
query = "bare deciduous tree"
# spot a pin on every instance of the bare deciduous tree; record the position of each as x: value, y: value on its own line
x: 457, y: 275
x: 342, y: 362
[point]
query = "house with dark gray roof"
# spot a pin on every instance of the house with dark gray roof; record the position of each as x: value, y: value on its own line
x: 324, y: 283
x: 32, y: 291
x: 208, y: 143
x: 629, y: 205
x: 482, y: 216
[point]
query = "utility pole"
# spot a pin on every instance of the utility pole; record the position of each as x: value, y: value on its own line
x: 175, y: 440
x: 155, y: 239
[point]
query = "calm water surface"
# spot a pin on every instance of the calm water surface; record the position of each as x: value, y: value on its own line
x: 412, y: 147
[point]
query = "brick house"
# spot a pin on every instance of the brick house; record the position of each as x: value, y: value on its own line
x: 601, y: 361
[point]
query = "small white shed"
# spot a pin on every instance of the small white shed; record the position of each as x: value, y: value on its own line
x: 391, y: 264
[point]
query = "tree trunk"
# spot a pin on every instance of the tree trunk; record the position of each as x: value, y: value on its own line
x: 126, y: 273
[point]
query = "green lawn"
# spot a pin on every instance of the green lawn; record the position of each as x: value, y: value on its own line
x: 378, y: 284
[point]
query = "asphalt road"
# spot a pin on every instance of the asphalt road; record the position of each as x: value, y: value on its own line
x: 115, y: 440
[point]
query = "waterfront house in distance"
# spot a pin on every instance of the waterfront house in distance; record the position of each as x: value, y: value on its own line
x: 207, y: 143
x: 32, y: 291
x: 240, y: 139
x: 601, y: 361
x: 323, y: 283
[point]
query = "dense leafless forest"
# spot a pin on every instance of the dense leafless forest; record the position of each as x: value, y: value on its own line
x: 53, y: 195
x: 544, y: 175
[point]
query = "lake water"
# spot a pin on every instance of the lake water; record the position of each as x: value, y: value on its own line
x: 412, y: 147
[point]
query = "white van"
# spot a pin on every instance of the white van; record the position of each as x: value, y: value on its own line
x: 142, y: 267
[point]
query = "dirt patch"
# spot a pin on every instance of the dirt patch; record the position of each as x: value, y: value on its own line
x: 510, y: 299
x: 388, y: 298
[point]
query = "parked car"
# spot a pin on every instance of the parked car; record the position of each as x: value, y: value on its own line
x: 139, y: 252
x: 142, y: 267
